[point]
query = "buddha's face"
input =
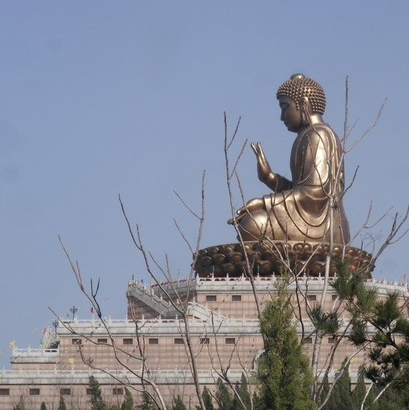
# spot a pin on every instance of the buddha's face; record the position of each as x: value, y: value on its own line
x: 290, y: 114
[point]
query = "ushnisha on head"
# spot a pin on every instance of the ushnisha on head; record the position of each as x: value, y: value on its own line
x: 301, y: 89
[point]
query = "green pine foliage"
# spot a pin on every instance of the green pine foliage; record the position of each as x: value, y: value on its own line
x: 392, y: 399
x: 324, y: 322
x: 283, y: 371
x: 61, y: 405
x: 324, y: 389
x: 147, y: 402
x: 20, y: 405
x: 96, y: 401
x: 242, y: 390
x: 389, y: 351
x: 43, y: 406
x: 341, y: 397
x: 258, y: 403
x: 369, y: 402
x: 127, y: 404
x: 333, y: 400
x: 207, y: 400
x: 348, y: 283
x: 223, y: 396
x: 390, y: 344
x: 178, y: 403
x: 359, y: 392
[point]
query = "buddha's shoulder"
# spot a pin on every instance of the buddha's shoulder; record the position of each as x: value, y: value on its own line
x: 319, y: 130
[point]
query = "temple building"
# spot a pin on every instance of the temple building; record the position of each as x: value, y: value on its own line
x: 224, y: 332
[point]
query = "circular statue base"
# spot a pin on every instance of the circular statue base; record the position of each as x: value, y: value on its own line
x: 267, y: 258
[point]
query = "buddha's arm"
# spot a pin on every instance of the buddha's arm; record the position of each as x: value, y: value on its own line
x: 277, y: 183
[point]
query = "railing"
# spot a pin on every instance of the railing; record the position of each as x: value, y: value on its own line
x: 300, y: 278
x: 94, y: 323
x: 227, y: 278
x: 82, y: 376
x: 34, y: 355
x: 147, y: 296
x: 30, y: 352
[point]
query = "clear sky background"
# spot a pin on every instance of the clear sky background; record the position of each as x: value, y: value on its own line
x: 106, y: 97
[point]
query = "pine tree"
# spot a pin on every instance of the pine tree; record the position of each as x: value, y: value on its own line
x: 43, y: 406
x: 283, y: 370
x: 341, y: 397
x: 178, y: 403
x: 392, y: 399
x: 207, y: 399
x: 369, y: 404
x: 390, y: 360
x: 334, y: 400
x: 62, y: 405
x: 97, y: 403
x: 223, y: 396
x: 147, y: 402
x: 360, y: 390
x: 20, y: 405
x: 258, y: 402
x: 344, y: 391
x: 242, y: 389
x: 127, y: 404
x: 324, y: 392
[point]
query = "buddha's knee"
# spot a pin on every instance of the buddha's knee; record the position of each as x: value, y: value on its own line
x: 254, y: 225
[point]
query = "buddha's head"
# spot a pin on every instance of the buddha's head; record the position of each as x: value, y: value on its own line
x: 300, y: 97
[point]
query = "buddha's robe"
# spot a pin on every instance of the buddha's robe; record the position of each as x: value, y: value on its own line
x: 300, y: 209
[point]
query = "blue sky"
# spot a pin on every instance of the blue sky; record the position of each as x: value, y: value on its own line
x: 100, y: 98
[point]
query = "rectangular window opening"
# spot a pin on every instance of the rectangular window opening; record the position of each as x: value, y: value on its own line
x: 153, y: 341
x: 312, y: 298
x: 230, y: 340
x: 34, y: 392
x: 127, y: 341
x: 178, y: 341
x: 118, y: 391
x: 204, y: 341
x: 211, y: 298
x: 76, y: 341
x: 236, y: 298
x: 65, y: 392
x: 4, y: 392
x: 102, y: 340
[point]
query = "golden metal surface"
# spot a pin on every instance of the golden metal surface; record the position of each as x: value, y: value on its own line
x: 309, y: 207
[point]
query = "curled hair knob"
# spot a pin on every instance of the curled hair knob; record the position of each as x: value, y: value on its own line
x: 297, y: 76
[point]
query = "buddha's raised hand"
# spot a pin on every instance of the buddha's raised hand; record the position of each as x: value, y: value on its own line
x: 263, y: 167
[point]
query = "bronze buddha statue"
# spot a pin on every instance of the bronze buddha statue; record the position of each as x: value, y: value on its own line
x: 299, y: 210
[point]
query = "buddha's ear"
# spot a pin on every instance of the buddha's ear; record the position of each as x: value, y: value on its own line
x: 305, y: 103
x: 306, y: 109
